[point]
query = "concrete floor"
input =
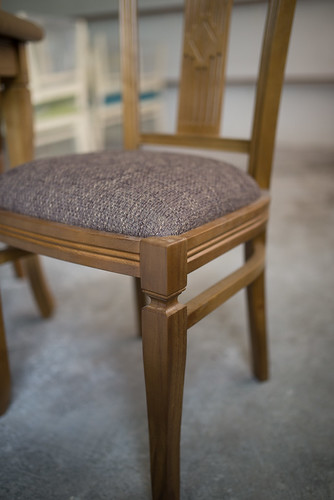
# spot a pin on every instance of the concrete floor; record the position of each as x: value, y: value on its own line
x: 76, y: 429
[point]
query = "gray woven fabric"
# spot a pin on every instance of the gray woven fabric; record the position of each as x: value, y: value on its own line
x: 134, y: 193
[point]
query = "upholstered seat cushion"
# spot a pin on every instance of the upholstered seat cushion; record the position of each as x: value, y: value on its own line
x: 137, y: 193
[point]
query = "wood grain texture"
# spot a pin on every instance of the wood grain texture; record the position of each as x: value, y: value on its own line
x: 164, y: 353
x: 107, y: 251
x: 203, y: 67
x: 217, y: 237
x: 269, y: 88
x: 163, y: 263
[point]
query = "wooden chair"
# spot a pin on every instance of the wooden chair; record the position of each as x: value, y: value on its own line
x: 168, y: 214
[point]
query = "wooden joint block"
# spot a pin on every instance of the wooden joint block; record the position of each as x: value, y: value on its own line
x: 163, y: 264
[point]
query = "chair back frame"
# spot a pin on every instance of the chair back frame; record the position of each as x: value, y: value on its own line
x: 161, y: 263
x: 203, y: 73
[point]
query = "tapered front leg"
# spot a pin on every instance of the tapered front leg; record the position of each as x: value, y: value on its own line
x: 164, y: 351
x: 4, y: 368
x: 164, y: 325
x: 256, y: 299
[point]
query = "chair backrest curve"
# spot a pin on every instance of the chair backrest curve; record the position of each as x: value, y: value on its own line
x: 269, y: 87
x: 206, y: 29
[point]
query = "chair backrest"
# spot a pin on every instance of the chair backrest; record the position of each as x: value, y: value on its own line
x: 58, y: 82
x: 202, y: 81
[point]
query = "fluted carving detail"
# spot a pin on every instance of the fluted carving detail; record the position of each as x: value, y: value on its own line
x: 203, y: 66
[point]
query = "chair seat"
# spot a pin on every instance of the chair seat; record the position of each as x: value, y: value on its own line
x: 135, y: 193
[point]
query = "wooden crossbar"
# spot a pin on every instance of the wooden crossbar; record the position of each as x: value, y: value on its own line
x: 197, y: 141
x: 10, y: 254
x: 210, y: 299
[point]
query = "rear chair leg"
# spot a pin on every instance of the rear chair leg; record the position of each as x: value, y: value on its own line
x: 4, y: 368
x: 33, y: 271
x: 256, y: 300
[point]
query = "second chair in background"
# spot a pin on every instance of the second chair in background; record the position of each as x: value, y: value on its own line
x: 59, y: 83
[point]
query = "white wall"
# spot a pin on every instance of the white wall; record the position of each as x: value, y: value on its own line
x: 307, y: 110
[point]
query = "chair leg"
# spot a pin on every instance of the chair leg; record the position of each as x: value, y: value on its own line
x: 18, y: 117
x: 164, y: 323
x: 140, y: 303
x: 257, y: 321
x: 4, y: 368
x: 33, y: 271
x: 164, y: 352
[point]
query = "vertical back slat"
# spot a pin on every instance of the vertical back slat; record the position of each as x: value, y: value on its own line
x: 129, y: 68
x: 270, y: 82
x: 203, y: 66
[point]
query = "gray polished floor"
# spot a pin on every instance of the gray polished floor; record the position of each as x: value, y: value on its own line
x: 76, y: 428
